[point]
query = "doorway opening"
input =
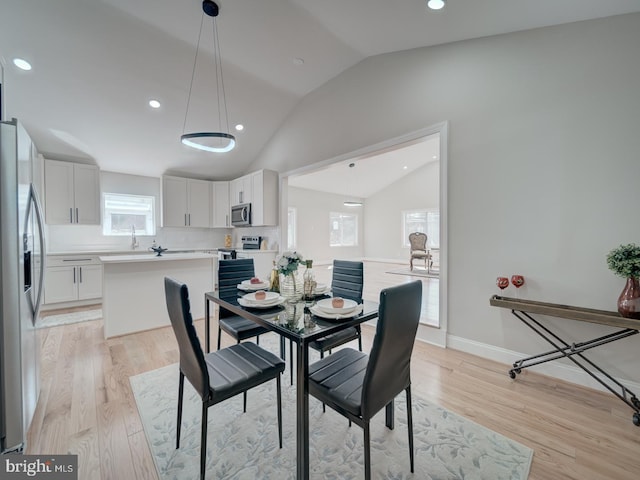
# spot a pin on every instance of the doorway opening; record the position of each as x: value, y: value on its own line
x: 356, y: 206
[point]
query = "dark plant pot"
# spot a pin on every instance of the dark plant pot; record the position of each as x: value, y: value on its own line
x: 629, y: 299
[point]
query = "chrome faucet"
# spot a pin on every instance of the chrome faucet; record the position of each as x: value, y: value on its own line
x: 134, y: 240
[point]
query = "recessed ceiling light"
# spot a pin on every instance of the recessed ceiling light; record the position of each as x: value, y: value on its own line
x: 435, y: 157
x: 22, y: 64
x: 405, y: 167
x: 154, y: 103
x: 352, y: 204
x: 298, y: 61
x: 435, y: 4
x: 239, y: 127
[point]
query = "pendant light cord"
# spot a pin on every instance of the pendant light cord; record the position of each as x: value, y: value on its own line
x: 193, y: 74
x: 220, y: 84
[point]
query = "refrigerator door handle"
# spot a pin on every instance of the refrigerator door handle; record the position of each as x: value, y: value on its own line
x: 40, y: 221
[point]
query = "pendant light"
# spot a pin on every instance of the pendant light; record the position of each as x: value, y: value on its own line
x: 213, y: 141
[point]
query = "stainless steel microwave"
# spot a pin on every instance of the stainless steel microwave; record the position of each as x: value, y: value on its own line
x: 241, y: 215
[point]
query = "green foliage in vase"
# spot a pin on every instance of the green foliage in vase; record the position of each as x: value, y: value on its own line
x: 625, y: 260
x: 288, y: 262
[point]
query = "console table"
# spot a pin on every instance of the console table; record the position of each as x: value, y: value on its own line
x: 523, y: 310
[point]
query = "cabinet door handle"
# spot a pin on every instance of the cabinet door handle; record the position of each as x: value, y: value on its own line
x: 70, y: 215
x: 80, y: 274
x: 227, y: 220
x: 189, y: 219
x: 185, y: 220
x: 74, y: 275
x: 77, y: 218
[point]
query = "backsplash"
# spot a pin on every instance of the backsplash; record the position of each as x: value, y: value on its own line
x: 71, y: 238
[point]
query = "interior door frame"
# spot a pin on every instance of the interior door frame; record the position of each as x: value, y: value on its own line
x: 430, y: 334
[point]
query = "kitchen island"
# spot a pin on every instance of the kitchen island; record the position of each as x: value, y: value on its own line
x: 133, y: 288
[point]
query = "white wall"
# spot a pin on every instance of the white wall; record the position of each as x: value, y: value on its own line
x: 383, y: 212
x: 313, y: 210
x: 64, y: 238
x: 543, y: 163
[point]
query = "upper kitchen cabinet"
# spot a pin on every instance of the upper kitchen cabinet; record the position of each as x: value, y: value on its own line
x: 72, y: 193
x: 186, y: 202
x: 220, y: 209
x: 264, y: 198
x: 241, y: 190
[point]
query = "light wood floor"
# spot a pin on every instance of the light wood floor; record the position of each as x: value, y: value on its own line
x: 86, y: 406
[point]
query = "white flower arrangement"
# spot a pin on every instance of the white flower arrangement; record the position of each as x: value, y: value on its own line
x: 288, y: 262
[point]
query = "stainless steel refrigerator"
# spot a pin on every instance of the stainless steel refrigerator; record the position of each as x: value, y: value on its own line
x: 22, y: 256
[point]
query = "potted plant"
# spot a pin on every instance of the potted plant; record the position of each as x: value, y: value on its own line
x: 624, y: 261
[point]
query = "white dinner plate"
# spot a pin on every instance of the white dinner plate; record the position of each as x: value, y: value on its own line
x: 335, y: 316
x: 325, y: 305
x: 252, y: 287
x: 247, y: 304
x: 270, y: 297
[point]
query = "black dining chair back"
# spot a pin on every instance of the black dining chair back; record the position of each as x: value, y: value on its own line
x: 192, y: 363
x: 220, y: 375
x: 230, y: 274
x: 388, y: 370
x: 347, y: 279
x: 357, y: 385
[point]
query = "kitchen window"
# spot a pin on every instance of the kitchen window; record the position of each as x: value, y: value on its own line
x: 424, y: 221
x: 343, y: 229
x: 291, y: 228
x: 122, y: 212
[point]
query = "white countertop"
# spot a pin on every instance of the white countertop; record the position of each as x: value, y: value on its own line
x: 152, y: 257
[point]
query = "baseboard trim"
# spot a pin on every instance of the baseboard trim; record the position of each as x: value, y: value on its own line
x: 557, y: 370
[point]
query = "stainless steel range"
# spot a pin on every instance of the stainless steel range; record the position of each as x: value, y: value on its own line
x: 251, y: 243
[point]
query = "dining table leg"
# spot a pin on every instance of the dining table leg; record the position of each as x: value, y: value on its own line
x: 302, y: 409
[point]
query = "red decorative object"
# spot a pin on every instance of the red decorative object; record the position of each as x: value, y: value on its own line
x: 502, y: 282
x: 629, y: 299
x: 517, y: 280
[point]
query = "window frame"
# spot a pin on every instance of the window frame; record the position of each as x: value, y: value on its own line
x: 150, y: 216
x: 433, y: 240
x: 342, y: 215
x: 292, y: 227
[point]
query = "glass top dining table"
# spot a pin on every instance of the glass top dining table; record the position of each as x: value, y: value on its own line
x: 292, y: 320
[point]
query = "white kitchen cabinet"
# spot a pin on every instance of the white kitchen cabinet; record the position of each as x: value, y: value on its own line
x: 186, y: 202
x: 220, y: 209
x: 72, y: 193
x: 264, y: 203
x: 72, y: 278
x: 241, y: 190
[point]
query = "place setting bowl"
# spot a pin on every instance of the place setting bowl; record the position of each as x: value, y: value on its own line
x: 336, y: 308
x: 253, y: 285
x: 261, y: 299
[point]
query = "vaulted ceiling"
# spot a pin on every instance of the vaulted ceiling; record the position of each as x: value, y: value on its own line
x: 97, y: 63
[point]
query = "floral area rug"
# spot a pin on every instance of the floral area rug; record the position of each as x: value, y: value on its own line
x: 245, y: 445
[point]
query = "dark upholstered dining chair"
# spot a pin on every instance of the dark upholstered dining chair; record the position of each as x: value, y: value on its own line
x: 347, y: 282
x: 230, y: 274
x: 219, y: 375
x: 357, y: 385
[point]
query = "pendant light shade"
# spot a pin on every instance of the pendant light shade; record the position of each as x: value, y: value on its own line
x: 217, y: 141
